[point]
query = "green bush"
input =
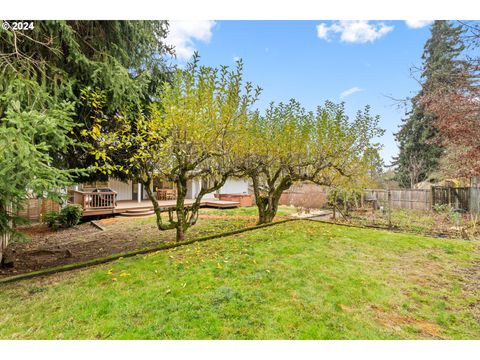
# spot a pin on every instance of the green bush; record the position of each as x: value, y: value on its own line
x: 70, y: 215
x: 449, y: 212
x: 51, y: 218
x: 344, y: 199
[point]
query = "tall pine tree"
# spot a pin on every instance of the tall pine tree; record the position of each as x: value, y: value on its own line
x: 125, y: 61
x: 419, y: 153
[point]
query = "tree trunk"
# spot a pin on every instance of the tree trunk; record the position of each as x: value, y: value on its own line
x: 268, y: 205
x: 5, y: 234
x: 156, y: 208
x: 180, y: 233
x: 182, y: 223
x: 267, y: 208
x: 259, y: 200
x: 3, y: 246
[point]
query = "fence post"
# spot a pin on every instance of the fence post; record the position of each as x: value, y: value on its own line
x: 389, y: 201
x: 432, y: 197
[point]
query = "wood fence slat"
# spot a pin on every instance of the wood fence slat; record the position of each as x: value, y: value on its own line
x: 403, y: 198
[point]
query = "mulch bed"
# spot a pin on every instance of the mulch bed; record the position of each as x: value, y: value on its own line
x: 47, y: 248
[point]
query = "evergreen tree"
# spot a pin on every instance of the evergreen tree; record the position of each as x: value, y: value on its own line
x: 43, y: 73
x: 124, y: 60
x: 419, y: 152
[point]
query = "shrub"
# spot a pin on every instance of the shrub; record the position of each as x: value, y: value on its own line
x: 70, y: 215
x: 345, y: 199
x: 449, y: 212
x: 51, y: 218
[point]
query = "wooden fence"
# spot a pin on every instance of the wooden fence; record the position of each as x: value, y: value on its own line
x: 463, y: 198
x: 306, y: 195
x: 475, y: 200
x: 458, y: 198
x: 34, y: 209
x: 401, y: 198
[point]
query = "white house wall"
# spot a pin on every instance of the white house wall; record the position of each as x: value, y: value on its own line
x: 123, y: 189
x: 235, y: 186
x: 190, y: 190
x: 231, y: 186
x: 195, y: 187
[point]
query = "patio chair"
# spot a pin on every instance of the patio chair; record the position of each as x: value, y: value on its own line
x: 171, y: 195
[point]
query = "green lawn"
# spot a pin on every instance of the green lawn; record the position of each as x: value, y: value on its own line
x: 283, y: 210
x: 297, y: 280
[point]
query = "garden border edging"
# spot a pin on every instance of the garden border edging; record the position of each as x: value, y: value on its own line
x: 98, y: 261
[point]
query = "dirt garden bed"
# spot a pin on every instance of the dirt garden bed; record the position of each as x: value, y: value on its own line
x: 423, y: 222
x: 45, y: 248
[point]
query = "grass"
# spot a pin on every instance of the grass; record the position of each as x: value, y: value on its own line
x: 246, y: 211
x: 122, y: 235
x: 299, y: 280
x: 211, y: 221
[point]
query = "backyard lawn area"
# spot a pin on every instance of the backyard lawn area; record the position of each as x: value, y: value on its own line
x: 44, y: 248
x: 295, y: 280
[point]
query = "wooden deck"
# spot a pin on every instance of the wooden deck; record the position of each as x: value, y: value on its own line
x: 125, y: 205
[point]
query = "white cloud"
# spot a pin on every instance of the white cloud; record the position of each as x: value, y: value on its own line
x: 354, y: 31
x: 416, y: 24
x: 349, y: 92
x: 236, y: 58
x: 182, y: 35
x: 322, y: 31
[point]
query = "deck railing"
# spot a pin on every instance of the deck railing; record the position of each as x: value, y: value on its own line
x: 90, y: 200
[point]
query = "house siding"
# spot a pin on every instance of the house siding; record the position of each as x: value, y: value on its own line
x: 235, y: 186
x: 123, y: 189
x: 231, y: 186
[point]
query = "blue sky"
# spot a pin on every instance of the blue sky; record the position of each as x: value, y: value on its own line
x: 314, y: 61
